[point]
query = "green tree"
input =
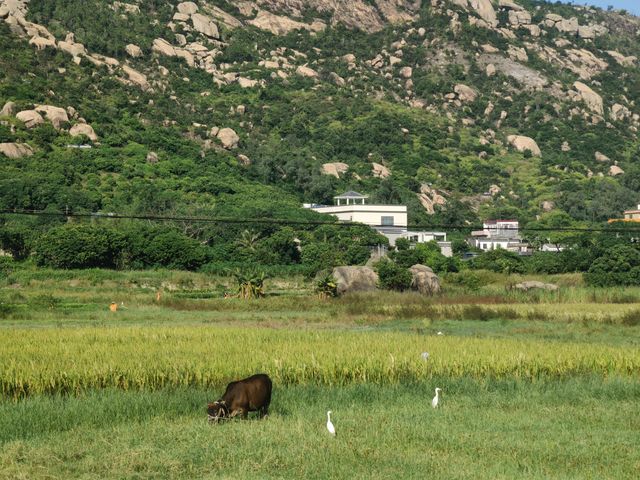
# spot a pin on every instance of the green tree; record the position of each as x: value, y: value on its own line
x: 393, y: 276
x: 499, y: 260
x: 80, y: 246
x: 619, y: 265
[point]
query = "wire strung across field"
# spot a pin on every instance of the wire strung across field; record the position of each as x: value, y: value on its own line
x: 290, y: 222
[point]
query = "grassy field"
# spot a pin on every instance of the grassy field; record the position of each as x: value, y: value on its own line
x: 534, y: 385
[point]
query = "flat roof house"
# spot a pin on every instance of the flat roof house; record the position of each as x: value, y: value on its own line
x: 390, y: 220
x: 499, y: 234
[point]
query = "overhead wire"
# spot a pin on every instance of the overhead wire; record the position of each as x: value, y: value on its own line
x: 306, y: 222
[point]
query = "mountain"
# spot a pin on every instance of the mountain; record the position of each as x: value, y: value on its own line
x: 461, y: 109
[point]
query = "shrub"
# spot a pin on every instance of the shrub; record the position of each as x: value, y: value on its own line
x: 500, y: 261
x: 250, y: 284
x: 319, y: 256
x: 546, y: 262
x: 631, y: 318
x: 15, y: 241
x: 393, y: 276
x: 80, y: 246
x: 7, y: 265
x: 174, y: 250
x: 467, y: 279
x: 327, y: 287
x: 619, y: 265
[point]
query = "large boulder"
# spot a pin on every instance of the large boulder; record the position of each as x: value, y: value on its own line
x: 535, y: 285
x: 586, y: 32
x: 187, y: 8
x: 133, y: 50
x: 406, y: 72
x: 380, y: 171
x: 136, y: 77
x: 8, y: 109
x: 247, y: 82
x: 522, y: 144
x: 42, y: 42
x: 615, y: 170
x: 14, y: 8
x: 228, y: 137
x: 305, y: 71
x: 161, y: 46
x: 83, y: 129
x: 590, y: 98
x: 56, y: 115
x: 508, y: 4
x: 335, y: 168
x: 73, y: 49
x: 186, y: 56
x: 15, y: 150
x: 281, y: 25
x: 621, y: 59
x: 485, y: 11
x: 570, y: 25
x: 31, y: 118
x: 355, y: 279
x: 517, y: 18
x: 204, y: 25
x: 424, y: 280
x: 465, y: 93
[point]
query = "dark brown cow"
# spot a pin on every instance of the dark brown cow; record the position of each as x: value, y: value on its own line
x: 252, y: 394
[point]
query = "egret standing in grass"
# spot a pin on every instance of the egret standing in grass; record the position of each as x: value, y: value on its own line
x: 330, y: 427
x: 434, y: 402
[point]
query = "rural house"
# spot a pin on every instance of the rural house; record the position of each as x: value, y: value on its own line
x: 389, y: 220
x: 628, y: 216
x: 499, y: 234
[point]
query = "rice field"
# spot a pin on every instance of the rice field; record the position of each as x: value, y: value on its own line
x: 534, y: 386
x: 73, y: 361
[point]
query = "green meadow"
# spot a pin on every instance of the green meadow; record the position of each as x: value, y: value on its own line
x: 534, y: 385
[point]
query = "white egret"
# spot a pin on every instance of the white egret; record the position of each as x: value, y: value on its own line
x: 434, y: 402
x: 330, y: 427
x: 425, y: 355
x: 439, y: 333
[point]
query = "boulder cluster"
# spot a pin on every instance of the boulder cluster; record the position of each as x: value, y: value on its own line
x: 60, y: 118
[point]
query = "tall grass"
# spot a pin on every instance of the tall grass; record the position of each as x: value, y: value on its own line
x: 72, y: 361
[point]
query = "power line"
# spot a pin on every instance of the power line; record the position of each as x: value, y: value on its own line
x: 281, y: 221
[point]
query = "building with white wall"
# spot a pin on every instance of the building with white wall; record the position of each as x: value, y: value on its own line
x: 389, y: 220
x: 499, y: 234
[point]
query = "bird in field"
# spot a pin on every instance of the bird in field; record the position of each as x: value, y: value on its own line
x: 425, y: 355
x: 434, y: 402
x: 330, y: 427
x: 439, y: 333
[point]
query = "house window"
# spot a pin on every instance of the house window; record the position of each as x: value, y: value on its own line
x: 386, y: 221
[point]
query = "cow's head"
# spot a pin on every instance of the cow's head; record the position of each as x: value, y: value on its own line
x: 217, y: 411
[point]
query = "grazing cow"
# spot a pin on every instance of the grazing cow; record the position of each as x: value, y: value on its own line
x: 252, y: 394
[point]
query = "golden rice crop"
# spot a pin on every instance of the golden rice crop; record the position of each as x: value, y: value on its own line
x: 73, y: 360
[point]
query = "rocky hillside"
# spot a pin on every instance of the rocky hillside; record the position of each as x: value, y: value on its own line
x: 459, y: 108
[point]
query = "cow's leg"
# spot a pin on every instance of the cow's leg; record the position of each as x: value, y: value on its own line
x: 264, y: 412
x: 239, y: 411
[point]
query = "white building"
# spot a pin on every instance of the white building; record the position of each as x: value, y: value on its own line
x: 424, y: 237
x: 390, y: 220
x: 552, y: 247
x: 499, y: 234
